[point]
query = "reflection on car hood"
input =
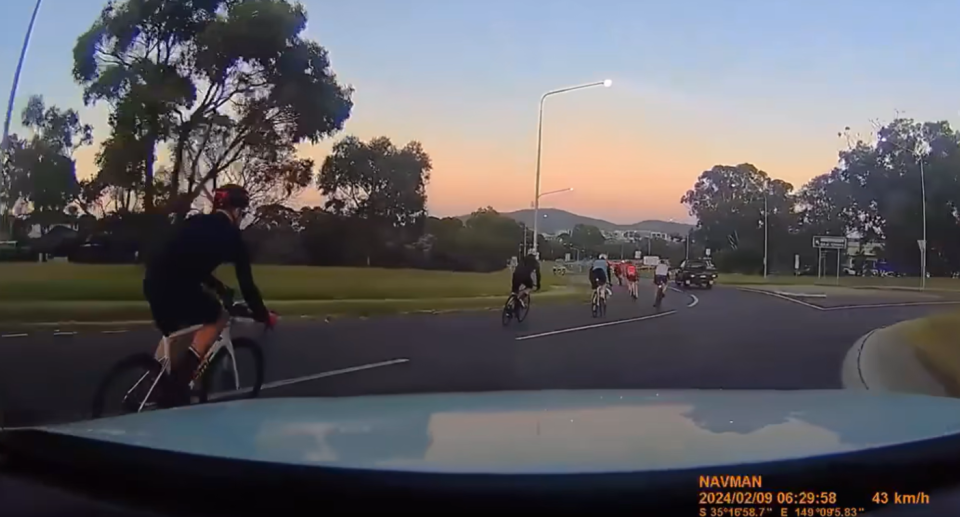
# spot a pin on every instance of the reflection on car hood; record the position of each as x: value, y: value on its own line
x: 541, y: 431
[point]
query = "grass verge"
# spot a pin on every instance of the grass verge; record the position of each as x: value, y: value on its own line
x: 73, y: 312
x: 66, y: 282
x: 935, y: 340
x: 936, y: 284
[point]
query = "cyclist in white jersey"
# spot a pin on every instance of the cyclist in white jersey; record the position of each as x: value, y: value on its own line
x: 600, y: 273
x: 661, y: 274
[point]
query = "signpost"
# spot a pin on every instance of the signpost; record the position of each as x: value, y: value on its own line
x: 829, y: 242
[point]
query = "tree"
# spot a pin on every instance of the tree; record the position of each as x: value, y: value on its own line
x: 223, y: 76
x: 728, y: 202
x: 882, y: 199
x: 586, y: 237
x: 41, y: 169
x: 380, y: 186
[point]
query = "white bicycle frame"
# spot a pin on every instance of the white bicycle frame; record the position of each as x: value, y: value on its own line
x: 162, y: 356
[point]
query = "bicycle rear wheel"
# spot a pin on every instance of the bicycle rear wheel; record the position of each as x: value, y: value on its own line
x: 595, y: 305
x: 219, y: 382
x: 141, y: 394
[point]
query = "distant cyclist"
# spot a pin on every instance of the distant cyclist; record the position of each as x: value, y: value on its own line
x: 618, y: 270
x: 600, y: 273
x: 630, y: 271
x: 523, y: 274
x: 661, y: 274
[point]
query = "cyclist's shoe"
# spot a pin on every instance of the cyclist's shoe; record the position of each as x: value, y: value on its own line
x: 271, y: 320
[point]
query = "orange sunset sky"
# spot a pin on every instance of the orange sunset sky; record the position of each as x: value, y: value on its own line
x: 695, y: 84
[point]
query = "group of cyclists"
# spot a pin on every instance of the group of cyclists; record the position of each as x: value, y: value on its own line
x: 182, y: 292
x: 601, y: 273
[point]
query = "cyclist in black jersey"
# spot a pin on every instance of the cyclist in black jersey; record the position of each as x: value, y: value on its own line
x: 176, y: 278
x: 523, y: 274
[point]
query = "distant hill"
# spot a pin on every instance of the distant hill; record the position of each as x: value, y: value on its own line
x: 558, y: 220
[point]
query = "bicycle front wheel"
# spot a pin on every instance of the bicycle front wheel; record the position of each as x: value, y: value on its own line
x: 237, y: 377
x: 141, y: 379
x: 523, y: 307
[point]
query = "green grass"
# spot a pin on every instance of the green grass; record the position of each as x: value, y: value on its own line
x: 91, y: 293
x: 950, y: 284
x: 76, y: 282
x: 935, y: 340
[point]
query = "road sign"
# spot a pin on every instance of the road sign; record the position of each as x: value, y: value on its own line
x: 637, y: 254
x: 796, y: 262
x: 922, y: 244
x: 706, y: 252
x: 566, y: 257
x: 830, y: 242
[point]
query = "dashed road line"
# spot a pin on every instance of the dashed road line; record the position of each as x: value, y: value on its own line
x: 121, y: 331
x: 847, y: 307
x: 64, y: 333
x: 23, y: 334
x: 308, y: 378
x: 594, y: 326
x: 782, y: 297
x: 693, y: 298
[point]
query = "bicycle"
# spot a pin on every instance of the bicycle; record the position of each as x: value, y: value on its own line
x: 154, y: 369
x: 661, y: 292
x: 598, y: 305
x: 518, y: 304
x: 634, y: 289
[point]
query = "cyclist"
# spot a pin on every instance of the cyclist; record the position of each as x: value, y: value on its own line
x: 618, y: 270
x: 630, y: 271
x: 523, y: 275
x: 599, y: 273
x: 177, y: 275
x: 661, y: 274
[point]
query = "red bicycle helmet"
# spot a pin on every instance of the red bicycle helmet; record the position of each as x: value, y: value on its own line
x: 230, y: 196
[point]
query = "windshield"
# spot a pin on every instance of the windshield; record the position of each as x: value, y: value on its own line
x: 336, y: 199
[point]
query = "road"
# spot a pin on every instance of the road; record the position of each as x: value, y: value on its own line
x: 722, y: 338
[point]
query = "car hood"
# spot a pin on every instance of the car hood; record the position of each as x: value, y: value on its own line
x: 536, y: 432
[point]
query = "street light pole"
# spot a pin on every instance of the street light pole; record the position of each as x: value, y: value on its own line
x: 923, y: 249
x: 533, y: 204
x: 766, y: 188
x: 919, y: 154
x: 536, y: 197
x: 4, y: 140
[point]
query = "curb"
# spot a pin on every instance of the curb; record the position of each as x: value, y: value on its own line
x: 881, y: 361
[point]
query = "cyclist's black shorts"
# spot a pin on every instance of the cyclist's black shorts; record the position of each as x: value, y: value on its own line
x: 597, y: 277
x: 520, y: 280
x: 176, y: 307
x: 660, y: 279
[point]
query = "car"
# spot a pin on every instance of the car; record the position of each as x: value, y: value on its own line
x: 696, y: 273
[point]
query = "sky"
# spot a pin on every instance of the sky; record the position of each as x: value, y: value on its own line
x: 696, y: 83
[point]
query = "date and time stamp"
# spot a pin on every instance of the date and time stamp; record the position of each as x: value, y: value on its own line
x: 745, y: 496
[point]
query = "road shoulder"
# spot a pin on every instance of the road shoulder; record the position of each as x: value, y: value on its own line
x: 884, y: 360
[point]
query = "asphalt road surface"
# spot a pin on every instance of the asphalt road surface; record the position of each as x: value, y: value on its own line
x: 723, y: 338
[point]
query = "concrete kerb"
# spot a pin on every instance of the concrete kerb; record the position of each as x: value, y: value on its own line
x: 883, y: 361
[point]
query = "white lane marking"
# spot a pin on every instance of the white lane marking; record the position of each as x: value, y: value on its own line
x: 594, y: 326
x: 883, y: 305
x: 112, y: 331
x: 693, y: 298
x: 13, y: 335
x: 308, y: 378
x: 64, y: 333
x: 780, y: 296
